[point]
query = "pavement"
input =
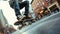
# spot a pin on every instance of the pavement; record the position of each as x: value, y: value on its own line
x: 47, y: 25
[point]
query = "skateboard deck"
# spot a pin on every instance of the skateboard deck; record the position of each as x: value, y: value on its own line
x: 24, y: 22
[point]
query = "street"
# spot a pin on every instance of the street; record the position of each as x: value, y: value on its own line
x: 48, y: 25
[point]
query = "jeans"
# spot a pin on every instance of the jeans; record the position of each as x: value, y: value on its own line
x: 18, y: 6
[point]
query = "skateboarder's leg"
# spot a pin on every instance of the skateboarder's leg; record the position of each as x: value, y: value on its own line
x: 17, y: 9
x: 27, y: 8
x: 26, y: 5
x: 15, y: 5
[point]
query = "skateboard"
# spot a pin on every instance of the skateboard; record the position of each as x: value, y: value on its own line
x: 24, y: 23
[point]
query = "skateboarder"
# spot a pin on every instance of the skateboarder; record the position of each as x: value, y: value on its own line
x: 17, y: 5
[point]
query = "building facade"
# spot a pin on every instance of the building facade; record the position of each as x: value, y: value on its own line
x: 38, y: 5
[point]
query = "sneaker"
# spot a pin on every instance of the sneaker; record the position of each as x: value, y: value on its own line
x: 27, y: 17
x: 20, y: 17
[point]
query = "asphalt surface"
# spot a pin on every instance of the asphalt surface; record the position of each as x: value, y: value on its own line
x: 48, y: 25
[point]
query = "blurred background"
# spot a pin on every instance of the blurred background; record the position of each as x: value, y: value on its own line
x: 41, y: 9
